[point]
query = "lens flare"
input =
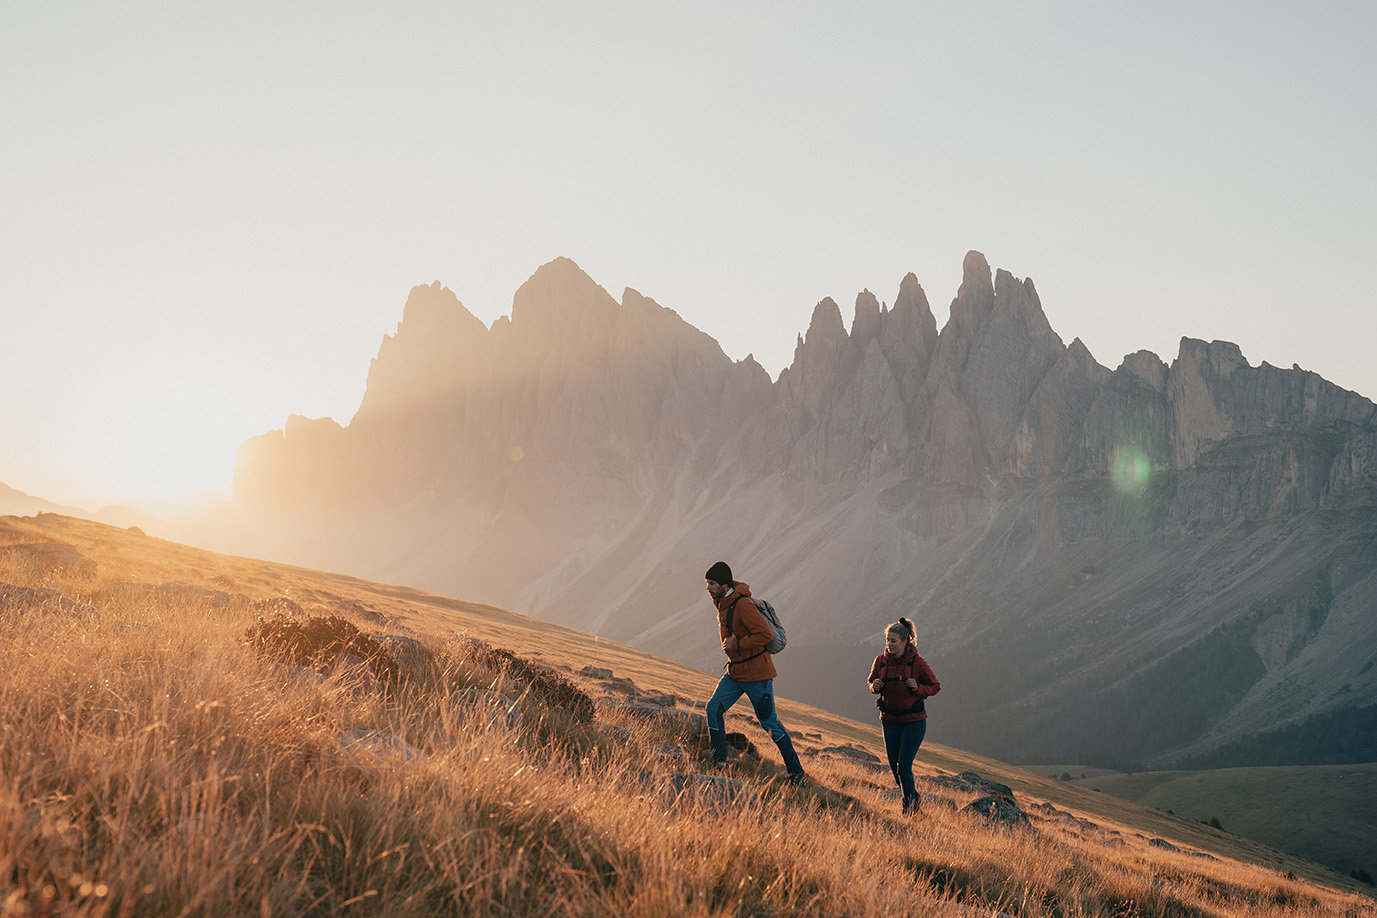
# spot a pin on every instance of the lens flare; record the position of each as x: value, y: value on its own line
x: 1131, y: 470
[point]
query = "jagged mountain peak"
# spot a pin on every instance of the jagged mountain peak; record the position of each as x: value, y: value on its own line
x: 911, y: 296
x: 974, y: 298
x: 1078, y: 352
x: 818, y: 354
x: 865, y: 322
x: 559, y: 292
x: 1020, y: 296
x: 1221, y: 356
x: 909, y: 332
x: 422, y: 357
x: 1147, y: 366
x: 433, y: 310
x: 826, y: 325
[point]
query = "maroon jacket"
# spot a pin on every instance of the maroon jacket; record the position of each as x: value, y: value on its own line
x: 897, y: 695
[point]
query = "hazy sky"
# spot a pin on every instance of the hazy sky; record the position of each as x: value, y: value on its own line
x: 211, y: 214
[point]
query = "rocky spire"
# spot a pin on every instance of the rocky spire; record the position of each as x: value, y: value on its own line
x: 911, y: 320
x: 975, y: 297
x: 425, y: 356
x: 908, y: 335
x: 819, y: 357
x: 866, y: 323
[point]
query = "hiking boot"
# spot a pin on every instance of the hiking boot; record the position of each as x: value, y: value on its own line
x: 796, y: 779
x: 911, y: 806
x: 718, y: 740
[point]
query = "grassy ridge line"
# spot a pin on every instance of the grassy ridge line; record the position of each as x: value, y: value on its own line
x: 139, y: 558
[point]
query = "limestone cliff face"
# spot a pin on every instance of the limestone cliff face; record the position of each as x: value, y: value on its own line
x: 1065, y: 534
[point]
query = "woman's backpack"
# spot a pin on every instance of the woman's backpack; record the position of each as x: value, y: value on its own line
x: 916, y: 708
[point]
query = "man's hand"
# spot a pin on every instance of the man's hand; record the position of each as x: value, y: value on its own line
x: 877, y: 685
x: 730, y: 644
x: 912, y: 684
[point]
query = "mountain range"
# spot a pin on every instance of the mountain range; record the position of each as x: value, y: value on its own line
x: 14, y: 502
x: 1161, y: 564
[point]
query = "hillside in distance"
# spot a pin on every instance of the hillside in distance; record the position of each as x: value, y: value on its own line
x: 191, y: 732
x: 1275, y: 805
x: 1154, y: 564
x: 14, y: 502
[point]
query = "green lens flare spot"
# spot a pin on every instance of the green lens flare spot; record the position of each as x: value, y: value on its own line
x: 1131, y: 471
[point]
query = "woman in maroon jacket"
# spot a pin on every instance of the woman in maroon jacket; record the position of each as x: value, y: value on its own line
x: 902, y: 679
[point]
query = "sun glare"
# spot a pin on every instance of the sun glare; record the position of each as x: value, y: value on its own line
x: 170, y: 440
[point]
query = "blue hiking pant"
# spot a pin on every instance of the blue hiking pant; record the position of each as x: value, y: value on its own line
x: 901, y: 746
x: 762, y: 696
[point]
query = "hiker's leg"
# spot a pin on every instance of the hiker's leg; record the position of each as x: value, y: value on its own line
x: 786, y: 751
x: 762, y: 697
x: 910, y: 740
x: 728, y: 690
x: 893, y: 734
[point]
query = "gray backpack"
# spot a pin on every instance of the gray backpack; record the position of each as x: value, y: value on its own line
x: 771, y: 616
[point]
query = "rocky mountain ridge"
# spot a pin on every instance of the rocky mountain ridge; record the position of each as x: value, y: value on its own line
x: 1071, y: 539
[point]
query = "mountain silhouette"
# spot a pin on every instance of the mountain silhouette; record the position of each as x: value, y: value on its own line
x: 1143, y: 565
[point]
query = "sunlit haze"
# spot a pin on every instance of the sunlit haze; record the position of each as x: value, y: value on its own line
x: 212, y: 214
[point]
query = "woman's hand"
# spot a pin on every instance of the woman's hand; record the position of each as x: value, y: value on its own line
x: 877, y: 685
x: 730, y: 644
x: 912, y: 685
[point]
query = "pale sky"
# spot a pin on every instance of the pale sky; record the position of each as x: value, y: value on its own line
x: 211, y: 214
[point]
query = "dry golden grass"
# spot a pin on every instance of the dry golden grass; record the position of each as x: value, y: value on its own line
x: 154, y: 762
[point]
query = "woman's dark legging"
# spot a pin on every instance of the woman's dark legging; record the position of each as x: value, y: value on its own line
x: 901, y: 745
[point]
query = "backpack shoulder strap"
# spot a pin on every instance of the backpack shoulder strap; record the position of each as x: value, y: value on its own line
x: 731, y: 613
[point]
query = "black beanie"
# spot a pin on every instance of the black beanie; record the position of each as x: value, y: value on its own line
x: 719, y: 573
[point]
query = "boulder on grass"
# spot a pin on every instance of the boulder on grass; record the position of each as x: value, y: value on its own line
x: 685, y: 722
x: 19, y: 601
x: 50, y: 558
x: 413, y: 657
x: 997, y: 810
x: 987, y: 787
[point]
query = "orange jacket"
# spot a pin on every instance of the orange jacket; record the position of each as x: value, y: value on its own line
x: 750, y: 662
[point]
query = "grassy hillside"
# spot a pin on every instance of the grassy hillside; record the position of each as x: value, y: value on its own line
x: 1327, y: 813
x: 189, y: 733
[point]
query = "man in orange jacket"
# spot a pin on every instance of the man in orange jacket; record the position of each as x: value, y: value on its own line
x: 750, y: 669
